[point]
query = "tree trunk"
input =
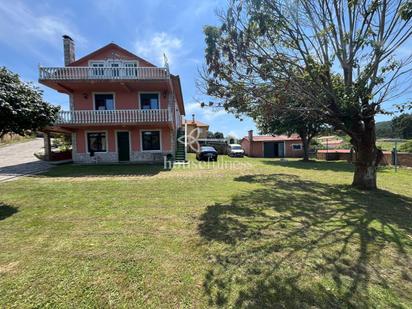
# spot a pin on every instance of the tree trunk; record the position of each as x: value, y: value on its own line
x: 367, y: 156
x: 305, y: 142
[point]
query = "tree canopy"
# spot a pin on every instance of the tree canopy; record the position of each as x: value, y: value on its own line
x: 216, y: 134
x: 402, y: 126
x: 22, y: 108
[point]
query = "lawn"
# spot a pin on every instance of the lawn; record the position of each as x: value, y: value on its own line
x: 388, y: 146
x: 247, y: 233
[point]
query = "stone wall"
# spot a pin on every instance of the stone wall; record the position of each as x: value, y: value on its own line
x: 112, y: 157
x: 404, y: 158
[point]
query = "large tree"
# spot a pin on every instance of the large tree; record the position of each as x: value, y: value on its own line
x: 22, y: 108
x: 347, y: 50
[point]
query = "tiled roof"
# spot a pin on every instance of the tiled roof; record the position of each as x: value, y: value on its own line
x: 275, y: 138
x: 196, y: 122
x: 342, y: 151
x: 334, y: 151
x: 334, y: 142
x: 108, y: 47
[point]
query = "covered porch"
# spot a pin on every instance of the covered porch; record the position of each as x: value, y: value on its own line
x: 57, y: 144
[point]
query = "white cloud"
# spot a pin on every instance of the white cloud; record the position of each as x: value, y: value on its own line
x: 21, y: 26
x: 158, y: 44
x: 107, y: 6
x: 233, y: 133
x: 206, y: 113
x: 203, y: 7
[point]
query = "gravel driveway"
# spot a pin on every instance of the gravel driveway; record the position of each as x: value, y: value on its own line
x: 18, y: 159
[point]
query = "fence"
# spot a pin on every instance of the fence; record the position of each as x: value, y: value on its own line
x: 404, y: 158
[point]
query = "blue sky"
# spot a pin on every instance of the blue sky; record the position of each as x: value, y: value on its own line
x: 31, y: 34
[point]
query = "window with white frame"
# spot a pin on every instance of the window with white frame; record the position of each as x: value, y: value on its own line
x: 97, y: 68
x: 297, y: 146
x: 103, y: 101
x: 119, y: 68
x: 130, y: 68
x: 115, y: 65
x: 149, y: 101
x: 150, y: 140
x: 96, y: 142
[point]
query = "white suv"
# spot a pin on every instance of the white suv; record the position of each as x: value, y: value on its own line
x: 235, y: 150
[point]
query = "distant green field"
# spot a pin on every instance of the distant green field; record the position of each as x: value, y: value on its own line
x: 388, y: 146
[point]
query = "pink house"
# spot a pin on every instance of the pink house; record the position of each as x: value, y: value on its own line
x: 122, y: 107
x: 277, y: 146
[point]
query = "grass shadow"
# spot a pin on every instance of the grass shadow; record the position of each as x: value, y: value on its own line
x: 336, y: 166
x: 6, y: 211
x: 296, y: 243
x: 23, y: 169
x: 115, y: 170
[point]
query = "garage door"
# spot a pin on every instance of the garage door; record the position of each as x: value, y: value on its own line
x: 273, y: 150
x: 270, y: 150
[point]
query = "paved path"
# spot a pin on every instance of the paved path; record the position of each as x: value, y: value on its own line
x: 18, y: 159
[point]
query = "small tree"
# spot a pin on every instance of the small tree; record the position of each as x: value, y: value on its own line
x: 210, y: 134
x: 218, y: 134
x: 22, y: 108
x: 276, y: 120
x: 402, y: 126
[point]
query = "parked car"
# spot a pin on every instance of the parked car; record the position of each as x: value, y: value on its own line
x: 235, y: 150
x: 206, y: 153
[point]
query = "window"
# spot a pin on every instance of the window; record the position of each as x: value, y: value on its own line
x: 149, y: 101
x: 131, y: 68
x: 150, y: 140
x: 113, y: 68
x: 99, y: 71
x: 115, y: 72
x: 104, y: 101
x: 297, y: 146
x: 96, y: 142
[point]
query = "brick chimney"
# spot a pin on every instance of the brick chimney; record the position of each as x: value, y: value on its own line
x: 68, y: 49
x: 250, y: 135
x: 193, y: 117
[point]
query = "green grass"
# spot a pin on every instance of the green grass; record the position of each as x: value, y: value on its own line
x: 388, y: 146
x: 265, y: 234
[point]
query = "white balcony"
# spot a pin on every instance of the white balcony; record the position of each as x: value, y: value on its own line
x: 125, y: 116
x: 103, y: 73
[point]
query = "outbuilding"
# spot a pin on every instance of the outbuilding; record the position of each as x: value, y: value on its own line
x: 272, y: 146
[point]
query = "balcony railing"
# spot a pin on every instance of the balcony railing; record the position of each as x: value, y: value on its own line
x: 128, y: 116
x: 103, y: 73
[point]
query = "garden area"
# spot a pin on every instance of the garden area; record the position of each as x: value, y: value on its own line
x: 246, y: 232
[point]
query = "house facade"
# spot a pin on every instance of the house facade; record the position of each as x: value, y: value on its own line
x: 277, y: 146
x: 122, y: 107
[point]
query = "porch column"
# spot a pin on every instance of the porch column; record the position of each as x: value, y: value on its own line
x: 185, y: 140
x: 47, y: 146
